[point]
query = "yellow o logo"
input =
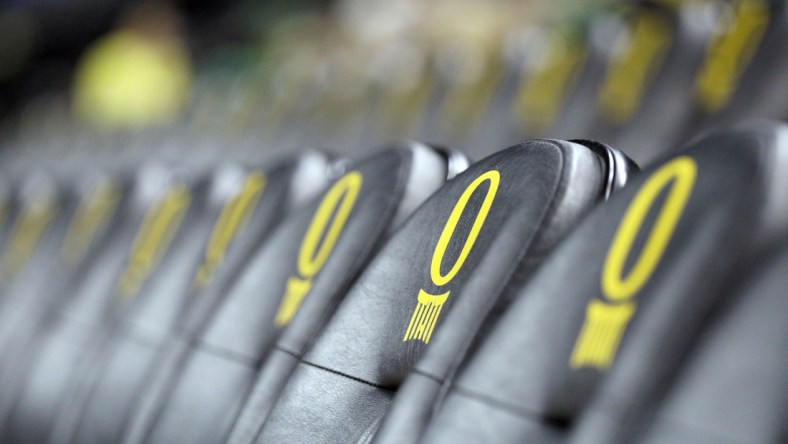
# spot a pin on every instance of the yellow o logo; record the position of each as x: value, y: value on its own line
x: 494, y: 177
x: 341, y: 197
x: 339, y: 202
x: 681, y: 172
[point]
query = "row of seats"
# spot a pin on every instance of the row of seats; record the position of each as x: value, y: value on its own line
x: 645, y: 74
x: 549, y: 292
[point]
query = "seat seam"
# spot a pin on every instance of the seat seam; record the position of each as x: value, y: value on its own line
x: 355, y: 378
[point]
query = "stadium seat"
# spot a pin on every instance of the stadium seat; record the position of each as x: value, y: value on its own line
x: 430, y: 289
x: 314, y: 253
x: 601, y: 328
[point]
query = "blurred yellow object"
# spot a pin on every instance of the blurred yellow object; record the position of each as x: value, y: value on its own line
x: 129, y: 80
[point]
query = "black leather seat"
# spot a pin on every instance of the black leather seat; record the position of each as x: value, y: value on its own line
x: 654, y: 355
x: 34, y: 205
x: 608, y: 319
x: 40, y: 213
x: 734, y: 388
x: 431, y: 287
x: 642, y: 99
x: 315, y: 253
x: 242, y: 207
x: 422, y: 389
x: 740, y: 76
x: 86, y: 211
x: 64, y: 351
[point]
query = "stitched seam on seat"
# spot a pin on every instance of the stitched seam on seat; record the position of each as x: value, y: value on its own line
x: 363, y: 381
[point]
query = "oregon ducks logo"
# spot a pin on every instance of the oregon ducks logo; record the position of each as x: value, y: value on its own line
x: 154, y: 237
x: 730, y: 53
x: 232, y: 220
x: 339, y: 202
x: 638, y: 54
x: 28, y: 228
x: 90, y: 219
x: 428, y: 306
x: 607, y: 319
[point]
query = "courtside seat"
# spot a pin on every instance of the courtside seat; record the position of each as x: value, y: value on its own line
x: 149, y: 224
x: 315, y: 253
x: 241, y: 207
x: 612, y: 314
x: 734, y: 387
x: 431, y: 287
x: 62, y: 236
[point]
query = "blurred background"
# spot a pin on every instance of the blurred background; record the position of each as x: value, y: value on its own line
x: 111, y: 83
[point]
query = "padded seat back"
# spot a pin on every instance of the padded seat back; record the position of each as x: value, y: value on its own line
x: 491, y: 224
x: 315, y: 253
x: 617, y: 305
